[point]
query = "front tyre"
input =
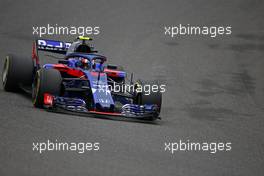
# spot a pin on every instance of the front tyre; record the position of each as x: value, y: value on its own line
x: 45, y: 81
x: 148, y: 96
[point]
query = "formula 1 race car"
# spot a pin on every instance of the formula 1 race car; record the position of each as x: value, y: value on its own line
x: 80, y: 82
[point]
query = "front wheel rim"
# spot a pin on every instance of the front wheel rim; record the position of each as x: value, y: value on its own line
x: 35, y: 90
x: 5, y: 71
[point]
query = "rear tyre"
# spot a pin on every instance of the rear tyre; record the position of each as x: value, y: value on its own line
x: 115, y: 67
x: 118, y: 68
x: 45, y: 81
x: 17, y: 71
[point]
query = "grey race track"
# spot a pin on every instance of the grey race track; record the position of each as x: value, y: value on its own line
x: 215, y: 89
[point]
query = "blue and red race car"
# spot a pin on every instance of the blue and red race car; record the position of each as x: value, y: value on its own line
x: 80, y: 82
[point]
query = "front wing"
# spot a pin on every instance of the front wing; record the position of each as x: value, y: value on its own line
x: 133, y: 111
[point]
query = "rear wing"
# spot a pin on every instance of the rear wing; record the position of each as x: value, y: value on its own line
x: 53, y: 46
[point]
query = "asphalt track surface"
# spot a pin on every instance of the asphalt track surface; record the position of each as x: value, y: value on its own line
x: 215, y: 89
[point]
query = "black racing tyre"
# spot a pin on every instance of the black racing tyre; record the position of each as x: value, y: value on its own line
x: 148, y: 97
x: 45, y: 81
x: 17, y: 71
x: 116, y: 67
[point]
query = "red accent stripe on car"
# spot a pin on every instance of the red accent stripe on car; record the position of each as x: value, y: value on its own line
x: 68, y: 70
x: 111, y: 73
x: 106, y: 113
